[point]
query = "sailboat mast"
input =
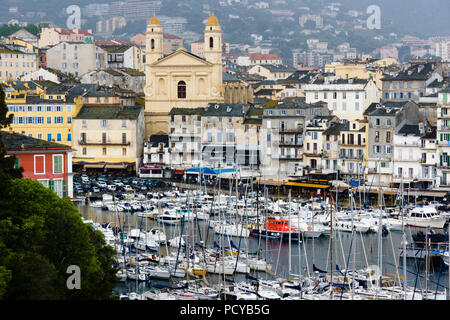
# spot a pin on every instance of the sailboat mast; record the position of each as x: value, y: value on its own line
x: 403, y: 242
x: 289, y: 226
x: 331, y: 245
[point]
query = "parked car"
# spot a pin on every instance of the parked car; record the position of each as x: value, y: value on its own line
x: 112, y: 187
x: 127, y: 188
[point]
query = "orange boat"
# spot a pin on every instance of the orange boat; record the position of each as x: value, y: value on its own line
x: 275, y: 228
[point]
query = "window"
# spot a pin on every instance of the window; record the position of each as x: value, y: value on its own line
x: 124, y: 138
x: 104, y: 151
x: 84, y: 151
x: 124, y: 123
x: 69, y: 137
x: 211, y: 42
x: 58, y: 164
x: 104, y: 137
x: 124, y: 151
x: 58, y: 187
x: 58, y: 137
x: 49, y: 120
x: 104, y: 123
x: 69, y: 120
x: 181, y: 90
x: 39, y: 164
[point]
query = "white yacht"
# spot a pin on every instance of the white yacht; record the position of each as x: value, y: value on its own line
x: 424, y: 217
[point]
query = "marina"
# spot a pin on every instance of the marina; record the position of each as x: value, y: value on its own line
x: 190, y: 244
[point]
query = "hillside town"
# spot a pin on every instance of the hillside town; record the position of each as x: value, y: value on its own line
x: 224, y: 150
x: 136, y: 108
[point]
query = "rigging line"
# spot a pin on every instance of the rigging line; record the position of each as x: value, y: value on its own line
x: 420, y: 276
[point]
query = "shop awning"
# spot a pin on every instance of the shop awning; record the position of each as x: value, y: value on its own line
x: 179, y: 171
x: 116, y: 166
x: 307, y: 185
x: 151, y: 168
x: 94, y: 166
x: 201, y: 170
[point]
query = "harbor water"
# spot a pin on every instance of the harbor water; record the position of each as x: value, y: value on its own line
x: 299, y: 258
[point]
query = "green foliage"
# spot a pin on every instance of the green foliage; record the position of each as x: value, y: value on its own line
x: 42, y: 235
x: 6, y: 30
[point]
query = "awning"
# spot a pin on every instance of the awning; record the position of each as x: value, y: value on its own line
x: 116, y: 166
x: 201, y: 170
x: 94, y: 166
x: 151, y: 168
x: 179, y: 171
x: 307, y: 185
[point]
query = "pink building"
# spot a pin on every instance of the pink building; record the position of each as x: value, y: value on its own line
x: 53, y: 36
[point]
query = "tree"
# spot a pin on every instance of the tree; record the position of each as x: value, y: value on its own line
x: 41, y: 235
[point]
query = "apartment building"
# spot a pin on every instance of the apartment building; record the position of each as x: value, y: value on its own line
x: 346, y: 98
x: 45, y: 115
x: 352, y: 150
x: 109, y: 136
x: 383, y: 122
x: 76, y: 58
x: 411, y: 82
x: 16, y: 62
x: 53, y: 36
x: 443, y: 139
x: 46, y: 162
x: 283, y: 136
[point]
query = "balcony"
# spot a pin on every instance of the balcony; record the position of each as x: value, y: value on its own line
x: 298, y: 130
x: 103, y: 143
x: 290, y: 157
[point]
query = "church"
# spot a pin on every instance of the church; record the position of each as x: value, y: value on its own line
x: 181, y: 79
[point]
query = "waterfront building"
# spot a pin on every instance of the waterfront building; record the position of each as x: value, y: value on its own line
x: 109, y: 136
x: 46, y: 162
x: 283, y: 136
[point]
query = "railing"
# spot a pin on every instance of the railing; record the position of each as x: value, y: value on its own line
x: 103, y: 143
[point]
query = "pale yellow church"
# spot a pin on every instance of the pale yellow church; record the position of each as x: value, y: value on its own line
x: 181, y: 79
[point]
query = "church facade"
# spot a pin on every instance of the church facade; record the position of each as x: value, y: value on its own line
x: 180, y: 79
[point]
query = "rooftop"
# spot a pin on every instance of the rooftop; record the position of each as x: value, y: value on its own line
x: 109, y: 112
x: 15, y: 141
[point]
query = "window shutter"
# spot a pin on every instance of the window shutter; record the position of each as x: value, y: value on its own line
x: 16, y: 164
x: 51, y: 184
x: 64, y: 188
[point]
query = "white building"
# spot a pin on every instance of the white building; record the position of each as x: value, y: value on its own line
x: 347, y: 99
x: 76, y: 58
